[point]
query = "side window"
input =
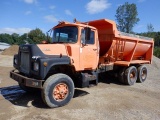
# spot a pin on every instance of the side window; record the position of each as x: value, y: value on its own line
x: 92, y: 39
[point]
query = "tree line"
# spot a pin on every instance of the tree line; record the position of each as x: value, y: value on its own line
x: 33, y: 37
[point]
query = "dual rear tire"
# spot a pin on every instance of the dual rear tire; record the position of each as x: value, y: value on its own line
x: 132, y: 74
x: 142, y: 71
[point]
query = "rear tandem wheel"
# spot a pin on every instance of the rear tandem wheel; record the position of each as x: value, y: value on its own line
x: 128, y: 75
x: 142, y: 73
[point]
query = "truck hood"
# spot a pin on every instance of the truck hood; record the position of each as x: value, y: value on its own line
x: 53, y: 49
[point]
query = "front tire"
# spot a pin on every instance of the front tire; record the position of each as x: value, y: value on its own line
x: 57, y: 90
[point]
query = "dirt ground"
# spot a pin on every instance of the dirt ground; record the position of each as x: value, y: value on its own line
x: 110, y: 100
x: 11, y: 50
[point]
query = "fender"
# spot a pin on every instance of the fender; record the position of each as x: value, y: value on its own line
x: 47, y: 63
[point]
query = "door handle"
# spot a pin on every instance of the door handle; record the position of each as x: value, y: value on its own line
x: 94, y: 49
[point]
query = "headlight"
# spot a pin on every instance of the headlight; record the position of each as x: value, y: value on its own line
x: 36, y: 66
x: 15, y: 61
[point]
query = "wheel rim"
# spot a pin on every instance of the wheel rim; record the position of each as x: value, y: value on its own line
x: 60, y: 92
x: 132, y: 75
x: 144, y: 74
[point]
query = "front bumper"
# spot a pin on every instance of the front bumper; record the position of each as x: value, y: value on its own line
x: 30, y: 82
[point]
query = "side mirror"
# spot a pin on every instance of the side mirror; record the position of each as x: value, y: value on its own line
x: 88, y: 33
x: 48, y: 35
x: 83, y: 40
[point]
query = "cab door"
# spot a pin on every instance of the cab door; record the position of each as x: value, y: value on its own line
x: 89, y: 50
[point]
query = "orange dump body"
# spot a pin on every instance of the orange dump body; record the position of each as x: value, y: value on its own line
x: 121, y: 48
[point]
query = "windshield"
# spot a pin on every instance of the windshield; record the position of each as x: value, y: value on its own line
x: 67, y: 34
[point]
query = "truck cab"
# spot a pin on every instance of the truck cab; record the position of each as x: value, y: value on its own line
x: 81, y: 43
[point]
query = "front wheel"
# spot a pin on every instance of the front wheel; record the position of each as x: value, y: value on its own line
x: 57, y: 90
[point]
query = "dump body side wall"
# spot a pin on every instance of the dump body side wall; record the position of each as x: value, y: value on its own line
x: 120, y: 48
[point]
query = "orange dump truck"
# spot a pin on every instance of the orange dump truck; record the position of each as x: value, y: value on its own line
x: 77, y: 55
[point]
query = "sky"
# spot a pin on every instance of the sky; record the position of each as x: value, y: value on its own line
x: 21, y: 16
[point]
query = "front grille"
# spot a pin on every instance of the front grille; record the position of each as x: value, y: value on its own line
x: 25, y: 66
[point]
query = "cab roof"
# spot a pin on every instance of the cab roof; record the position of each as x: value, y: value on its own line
x: 65, y: 23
